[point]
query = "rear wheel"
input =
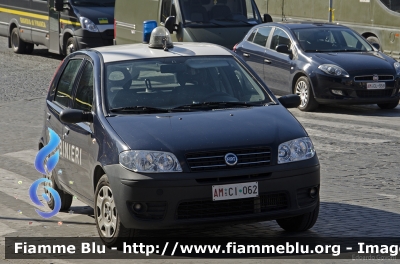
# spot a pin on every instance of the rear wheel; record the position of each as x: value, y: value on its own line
x: 373, y: 39
x: 389, y: 105
x: 110, y: 229
x: 301, y: 222
x: 66, y: 198
x: 303, y: 89
x: 17, y: 44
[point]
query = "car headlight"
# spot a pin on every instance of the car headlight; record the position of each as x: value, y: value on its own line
x: 295, y: 150
x: 332, y: 69
x: 397, y: 67
x: 149, y: 161
x: 87, y: 24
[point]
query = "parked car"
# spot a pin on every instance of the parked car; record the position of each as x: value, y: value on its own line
x: 171, y: 135
x: 323, y: 63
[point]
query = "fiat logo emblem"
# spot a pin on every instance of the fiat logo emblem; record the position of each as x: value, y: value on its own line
x: 231, y: 159
x: 375, y: 78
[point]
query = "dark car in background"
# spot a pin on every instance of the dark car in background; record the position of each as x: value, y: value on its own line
x: 323, y: 63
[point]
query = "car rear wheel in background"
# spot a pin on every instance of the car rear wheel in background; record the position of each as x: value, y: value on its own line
x: 66, y: 198
x: 109, y: 226
x: 17, y: 44
x: 373, y: 39
x: 300, y: 222
x: 307, y: 100
x: 390, y: 105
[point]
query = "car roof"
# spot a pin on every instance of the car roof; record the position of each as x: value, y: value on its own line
x: 142, y: 51
x: 292, y: 25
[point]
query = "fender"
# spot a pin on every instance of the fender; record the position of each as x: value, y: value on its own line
x: 307, y: 73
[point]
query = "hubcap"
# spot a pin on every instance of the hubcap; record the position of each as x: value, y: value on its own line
x: 15, y: 40
x: 70, y: 48
x: 49, y: 184
x: 106, y: 212
x: 302, y: 91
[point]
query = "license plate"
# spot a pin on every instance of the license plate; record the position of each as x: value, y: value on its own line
x: 235, y: 191
x: 378, y: 85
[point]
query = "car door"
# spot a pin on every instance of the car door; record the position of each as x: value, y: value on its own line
x: 61, y: 98
x: 253, y: 50
x: 79, y: 137
x: 277, y: 71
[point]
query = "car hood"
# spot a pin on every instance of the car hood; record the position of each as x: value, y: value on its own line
x: 354, y: 61
x: 96, y: 13
x: 208, y: 130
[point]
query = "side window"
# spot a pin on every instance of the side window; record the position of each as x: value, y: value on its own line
x: 167, y: 9
x: 280, y: 38
x: 262, y: 35
x: 251, y: 37
x: 66, y: 83
x: 84, y: 94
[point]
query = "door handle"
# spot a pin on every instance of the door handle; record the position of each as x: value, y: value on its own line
x: 267, y: 61
x: 246, y: 55
x: 66, y: 133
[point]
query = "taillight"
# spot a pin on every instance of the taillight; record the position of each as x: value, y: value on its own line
x: 115, y: 29
x: 234, y: 47
x: 54, y: 75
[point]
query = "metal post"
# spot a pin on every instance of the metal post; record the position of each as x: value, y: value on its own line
x: 330, y: 10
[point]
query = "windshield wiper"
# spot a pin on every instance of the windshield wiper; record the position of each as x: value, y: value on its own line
x: 211, y: 105
x: 139, y: 109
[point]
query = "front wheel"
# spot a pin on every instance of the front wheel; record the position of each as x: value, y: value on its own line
x: 17, y: 44
x: 110, y: 229
x: 70, y: 47
x: 303, y: 89
x: 389, y: 105
x: 300, y: 222
x: 66, y: 198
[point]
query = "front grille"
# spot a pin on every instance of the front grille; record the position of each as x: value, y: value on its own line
x: 209, y: 209
x: 370, y: 78
x: 374, y: 93
x: 231, y: 179
x: 215, y: 160
x: 150, y: 211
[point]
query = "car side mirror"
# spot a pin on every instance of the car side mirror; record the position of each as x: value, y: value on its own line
x: 376, y: 45
x: 59, y: 5
x: 267, y: 18
x: 170, y: 24
x: 282, y: 48
x: 290, y: 101
x: 73, y: 116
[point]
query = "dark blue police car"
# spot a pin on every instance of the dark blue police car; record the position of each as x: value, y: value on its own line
x: 172, y: 135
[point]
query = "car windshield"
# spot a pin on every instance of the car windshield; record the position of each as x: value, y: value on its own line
x: 184, y: 84
x: 220, y: 13
x: 93, y: 3
x: 321, y: 39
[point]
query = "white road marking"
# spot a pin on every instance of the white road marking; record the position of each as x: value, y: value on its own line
x: 28, y: 155
x: 343, y: 137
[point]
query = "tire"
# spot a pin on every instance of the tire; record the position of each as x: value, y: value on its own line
x: 17, y: 44
x: 303, y: 89
x: 373, y: 39
x: 29, y: 48
x: 389, y: 105
x: 301, y: 222
x: 108, y: 224
x: 70, y: 46
x: 66, y: 198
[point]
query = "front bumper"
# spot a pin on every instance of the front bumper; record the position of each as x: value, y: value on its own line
x: 186, y: 198
x: 354, y: 92
x: 86, y: 39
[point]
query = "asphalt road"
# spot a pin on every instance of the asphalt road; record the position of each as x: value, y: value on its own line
x: 358, y: 148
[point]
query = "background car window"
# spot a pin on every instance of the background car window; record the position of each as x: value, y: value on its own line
x: 167, y: 9
x: 66, y: 83
x: 251, y: 37
x: 84, y: 94
x: 280, y: 38
x: 261, y: 36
